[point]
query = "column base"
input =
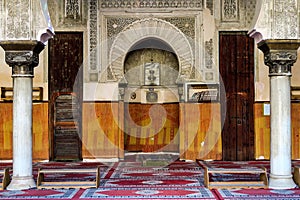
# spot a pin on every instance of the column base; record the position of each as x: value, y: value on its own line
x: 281, y: 182
x: 21, y: 183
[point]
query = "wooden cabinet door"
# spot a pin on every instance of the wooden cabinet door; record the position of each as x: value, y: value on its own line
x: 237, y: 73
x: 65, y: 95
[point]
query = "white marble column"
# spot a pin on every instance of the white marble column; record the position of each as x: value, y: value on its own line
x: 280, y: 55
x: 22, y: 56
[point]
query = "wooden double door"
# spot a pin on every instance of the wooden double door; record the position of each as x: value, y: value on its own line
x: 65, y: 95
x: 237, y: 74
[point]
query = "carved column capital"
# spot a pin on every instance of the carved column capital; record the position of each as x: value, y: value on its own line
x: 279, y: 55
x: 22, y: 56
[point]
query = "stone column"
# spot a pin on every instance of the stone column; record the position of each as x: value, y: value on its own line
x: 22, y: 56
x: 279, y: 56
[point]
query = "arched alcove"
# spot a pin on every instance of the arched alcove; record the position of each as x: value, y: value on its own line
x: 147, y: 51
x: 159, y: 30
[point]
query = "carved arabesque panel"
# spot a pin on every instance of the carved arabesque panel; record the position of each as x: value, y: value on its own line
x: 17, y: 23
x: 286, y: 19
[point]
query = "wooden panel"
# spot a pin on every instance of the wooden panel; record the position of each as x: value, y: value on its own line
x: 237, y: 72
x: 200, y: 131
x: 263, y: 131
x: 40, y: 131
x: 100, y: 137
x: 6, y: 123
x: 151, y: 127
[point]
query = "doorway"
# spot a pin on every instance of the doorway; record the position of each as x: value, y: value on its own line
x: 237, y: 73
x: 65, y: 95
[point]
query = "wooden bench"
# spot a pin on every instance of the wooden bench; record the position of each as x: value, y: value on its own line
x: 296, y: 175
x: 41, y: 183
x: 5, y: 179
x: 262, y: 183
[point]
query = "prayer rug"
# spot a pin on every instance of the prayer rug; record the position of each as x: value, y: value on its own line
x: 148, y: 193
x: 38, y: 194
x: 266, y: 194
x: 175, y: 166
x: 189, y: 182
x: 155, y: 174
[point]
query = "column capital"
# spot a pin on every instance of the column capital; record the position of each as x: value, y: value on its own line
x: 279, y: 55
x: 22, y: 56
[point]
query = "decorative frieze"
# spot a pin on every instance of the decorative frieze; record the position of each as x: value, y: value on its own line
x: 230, y: 10
x: 174, y: 4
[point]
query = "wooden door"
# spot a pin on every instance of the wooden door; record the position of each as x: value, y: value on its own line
x: 65, y: 95
x: 237, y: 73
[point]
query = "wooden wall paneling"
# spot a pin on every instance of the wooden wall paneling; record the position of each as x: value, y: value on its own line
x: 200, y: 136
x: 40, y: 140
x: 262, y: 132
x: 121, y: 129
x: 152, y: 127
x: 100, y: 130
x: 295, y: 130
x: 40, y: 131
x: 6, y: 132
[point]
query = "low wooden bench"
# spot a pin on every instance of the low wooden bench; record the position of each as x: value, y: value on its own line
x: 41, y: 183
x: 262, y: 183
x: 296, y: 175
x: 6, y: 178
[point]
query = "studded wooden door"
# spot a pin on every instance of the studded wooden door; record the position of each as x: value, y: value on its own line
x: 65, y: 95
x: 237, y: 73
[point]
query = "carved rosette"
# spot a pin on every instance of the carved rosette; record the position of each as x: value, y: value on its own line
x: 279, y: 55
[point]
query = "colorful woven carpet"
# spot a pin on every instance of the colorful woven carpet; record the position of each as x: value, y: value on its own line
x: 131, y: 179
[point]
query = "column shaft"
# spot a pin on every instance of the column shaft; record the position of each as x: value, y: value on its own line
x: 280, y: 160
x: 22, y: 134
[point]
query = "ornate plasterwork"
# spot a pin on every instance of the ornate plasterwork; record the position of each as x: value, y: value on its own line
x: 209, y: 54
x: 73, y: 9
x: 116, y: 24
x: 276, y: 19
x: 230, y: 10
x: 155, y: 28
x: 210, y: 6
x: 150, y: 4
x: 17, y: 24
x: 25, y: 20
x: 93, y: 38
x: 286, y: 19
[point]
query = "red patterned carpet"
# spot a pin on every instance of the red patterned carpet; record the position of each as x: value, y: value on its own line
x: 135, y: 179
